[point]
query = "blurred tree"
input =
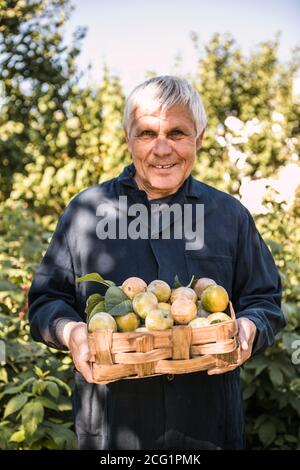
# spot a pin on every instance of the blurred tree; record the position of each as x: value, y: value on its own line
x: 113, y: 148
x: 90, y: 147
x: 253, y: 119
x: 37, y: 73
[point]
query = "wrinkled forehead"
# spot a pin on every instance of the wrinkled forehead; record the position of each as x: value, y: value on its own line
x: 148, y: 109
x: 176, y: 115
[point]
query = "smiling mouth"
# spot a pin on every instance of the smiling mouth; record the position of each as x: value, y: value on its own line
x: 163, y: 167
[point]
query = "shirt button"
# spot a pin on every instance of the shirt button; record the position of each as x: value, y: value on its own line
x: 170, y: 377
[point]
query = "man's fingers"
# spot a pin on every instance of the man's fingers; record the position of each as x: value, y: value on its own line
x: 242, y: 338
x: 242, y: 357
x: 246, y: 334
x: 83, y: 354
x: 81, y: 360
x: 80, y: 352
x: 85, y: 369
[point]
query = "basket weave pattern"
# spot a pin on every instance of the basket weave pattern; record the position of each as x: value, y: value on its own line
x: 179, y: 350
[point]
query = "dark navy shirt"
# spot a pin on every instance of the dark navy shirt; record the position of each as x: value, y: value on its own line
x: 185, y: 411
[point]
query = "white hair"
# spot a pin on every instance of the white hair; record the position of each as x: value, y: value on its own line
x: 163, y: 92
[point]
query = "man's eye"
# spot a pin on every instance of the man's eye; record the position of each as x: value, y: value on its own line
x: 147, y: 134
x: 176, y: 133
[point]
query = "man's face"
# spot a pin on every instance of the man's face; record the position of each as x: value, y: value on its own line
x: 163, y: 148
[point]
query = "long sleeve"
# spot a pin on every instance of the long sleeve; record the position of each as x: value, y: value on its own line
x: 52, y: 296
x: 257, y: 285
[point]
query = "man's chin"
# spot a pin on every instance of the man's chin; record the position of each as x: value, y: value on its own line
x: 169, y: 185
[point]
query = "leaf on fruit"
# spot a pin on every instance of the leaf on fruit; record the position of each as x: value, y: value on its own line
x: 190, y: 284
x: 95, y: 277
x: 177, y: 283
x: 100, y: 307
x: 113, y: 297
x: 122, y: 308
x: 92, y: 301
x: 193, y: 282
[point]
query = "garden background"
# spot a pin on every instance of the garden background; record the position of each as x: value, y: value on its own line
x: 60, y: 134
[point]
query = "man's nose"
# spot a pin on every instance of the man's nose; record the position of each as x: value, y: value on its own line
x: 162, y: 147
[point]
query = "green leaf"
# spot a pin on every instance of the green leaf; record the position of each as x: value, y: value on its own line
x: 100, y: 307
x: 7, y: 286
x: 257, y: 363
x: 290, y: 438
x: 260, y: 420
x: 122, y: 308
x: 40, y: 373
x: 63, y: 437
x: 53, y: 389
x: 18, y: 436
x: 39, y: 387
x: 4, y: 308
x: 3, y: 375
x: 295, y: 403
x: 276, y: 376
x: 249, y: 391
x: 274, y: 246
x: 192, y: 282
x: 64, y: 404
x: 95, y: 277
x: 259, y: 369
x: 61, y: 384
x: 92, y: 301
x: 177, y: 283
x: 17, y: 388
x: 46, y: 403
x: 267, y: 433
x: 15, y: 404
x: 32, y: 416
x: 113, y: 297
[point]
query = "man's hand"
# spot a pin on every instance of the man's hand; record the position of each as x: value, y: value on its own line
x: 75, y: 337
x: 246, y: 335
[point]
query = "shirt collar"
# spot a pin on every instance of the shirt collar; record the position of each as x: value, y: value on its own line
x: 190, y: 187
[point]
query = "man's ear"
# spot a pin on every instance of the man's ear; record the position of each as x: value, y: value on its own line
x: 199, y: 140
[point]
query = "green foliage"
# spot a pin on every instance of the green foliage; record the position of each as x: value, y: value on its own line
x: 35, y: 383
x: 37, y: 75
x: 271, y: 380
x: 253, y: 117
x: 37, y: 405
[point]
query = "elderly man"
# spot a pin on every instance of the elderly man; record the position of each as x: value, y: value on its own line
x: 164, y: 122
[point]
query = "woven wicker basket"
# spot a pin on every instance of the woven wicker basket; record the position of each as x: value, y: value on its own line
x: 179, y: 350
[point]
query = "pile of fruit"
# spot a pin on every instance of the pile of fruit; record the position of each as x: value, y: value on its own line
x: 136, y: 306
